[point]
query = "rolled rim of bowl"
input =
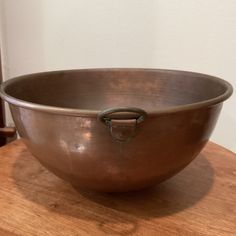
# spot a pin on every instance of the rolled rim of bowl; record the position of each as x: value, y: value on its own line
x: 93, y: 113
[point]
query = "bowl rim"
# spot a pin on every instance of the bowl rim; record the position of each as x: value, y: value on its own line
x: 94, y: 113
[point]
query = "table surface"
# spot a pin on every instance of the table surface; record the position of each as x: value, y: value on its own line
x: 201, y: 200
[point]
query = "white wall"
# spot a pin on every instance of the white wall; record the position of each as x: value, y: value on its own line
x: 39, y: 35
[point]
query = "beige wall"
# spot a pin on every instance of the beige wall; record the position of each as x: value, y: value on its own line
x: 39, y: 35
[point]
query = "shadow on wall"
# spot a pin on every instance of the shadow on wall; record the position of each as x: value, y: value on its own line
x: 51, y: 35
x: 23, y: 37
x: 106, y: 34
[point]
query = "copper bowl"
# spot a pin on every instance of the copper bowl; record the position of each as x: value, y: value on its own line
x: 115, y: 130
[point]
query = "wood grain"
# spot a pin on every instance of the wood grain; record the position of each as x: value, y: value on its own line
x: 201, y: 200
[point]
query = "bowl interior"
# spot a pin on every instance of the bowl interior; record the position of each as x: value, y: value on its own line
x: 101, y: 89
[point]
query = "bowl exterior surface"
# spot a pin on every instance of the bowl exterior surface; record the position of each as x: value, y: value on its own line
x: 81, y: 150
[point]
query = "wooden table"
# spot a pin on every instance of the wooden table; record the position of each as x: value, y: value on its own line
x: 201, y: 200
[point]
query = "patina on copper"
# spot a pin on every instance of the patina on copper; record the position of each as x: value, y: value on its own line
x: 115, y: 129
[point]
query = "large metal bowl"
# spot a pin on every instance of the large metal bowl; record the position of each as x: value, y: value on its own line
x: 115, y: 129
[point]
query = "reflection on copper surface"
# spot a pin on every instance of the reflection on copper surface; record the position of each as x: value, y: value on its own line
x: 80, y: 148
x: 87, y: 136
x: 85, y: 123
x: 64, y: 145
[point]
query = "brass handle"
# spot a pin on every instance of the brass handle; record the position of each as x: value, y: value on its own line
x: 138, y: 114
x: 122, y: 122
x: 7, y: 132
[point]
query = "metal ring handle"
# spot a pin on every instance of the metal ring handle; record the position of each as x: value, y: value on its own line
x: 103, y: 115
